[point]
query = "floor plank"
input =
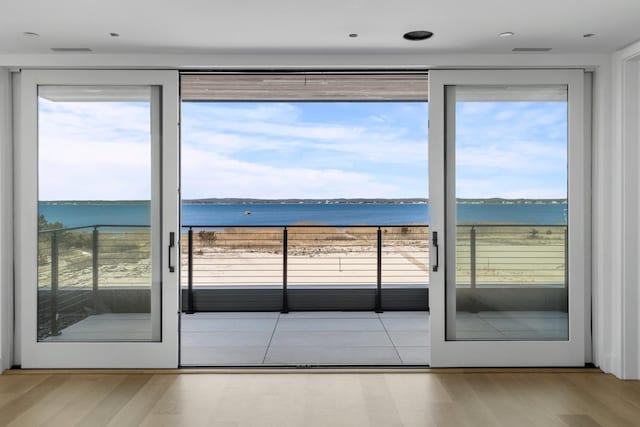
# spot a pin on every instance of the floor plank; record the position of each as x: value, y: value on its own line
x: 561, y: 398
x: 32, y: 397
x: 108, y: 407
x: 69, y: 404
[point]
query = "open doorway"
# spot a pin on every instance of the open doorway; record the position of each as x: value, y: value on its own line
x: 305, y: 237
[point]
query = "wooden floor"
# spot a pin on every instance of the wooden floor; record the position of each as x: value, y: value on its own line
x: 440, y: 398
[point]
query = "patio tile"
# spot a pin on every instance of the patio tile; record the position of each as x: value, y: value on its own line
x: 406, y: 324
x: 330, y: 338
x: 404, y: 314
x: 227, y: 325
x: 414, y: 355
x: 473, y: 325
x: 509, y: 324
x: 217, y: 339
x: 523, y: 314
x: 289, y: 324
x: 329, y: 315
x: 322, y: 355
x: 232, y: 315
x: 224, y: 355
x: 487, y: 335
x: 300, y: 338
x: 409, y: 338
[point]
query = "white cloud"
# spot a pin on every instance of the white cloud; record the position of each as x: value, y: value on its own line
x: 519, y: 157
x: 77, y: 170
x: 280, y: 112
x: 94, y: 151
x: 512, y: 151
x: 384, y: 148
x: 107, y: 120
x: 227, y: 131
x: 508, y: 188
x: 523, y: 169
x: 207, y: 174
x: 102, y: 151
x: 264, y: 119
x: 300, y: 130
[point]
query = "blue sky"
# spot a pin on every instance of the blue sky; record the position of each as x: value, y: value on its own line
x: 302, y: 150
x: 94, y: 150
x: 511, y: 149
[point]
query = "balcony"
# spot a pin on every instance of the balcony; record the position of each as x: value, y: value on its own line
x: 271, y: 295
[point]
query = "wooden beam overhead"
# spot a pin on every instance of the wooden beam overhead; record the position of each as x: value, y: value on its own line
x: 304, y: 87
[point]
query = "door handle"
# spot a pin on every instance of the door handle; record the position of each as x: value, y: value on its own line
x: 172, y: 244
x: 435, y: 245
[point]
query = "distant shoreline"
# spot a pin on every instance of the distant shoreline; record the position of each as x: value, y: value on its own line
x: 356, y: 201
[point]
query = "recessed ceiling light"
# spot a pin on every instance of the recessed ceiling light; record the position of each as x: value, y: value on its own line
x: 506, y: 34
x: 418, y: 35
x: 114, y: 34
x: 353, y: 35
x: 30, y: 34
x: 588, y: 35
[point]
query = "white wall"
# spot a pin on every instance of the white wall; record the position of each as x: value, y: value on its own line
x: 615, y: 248
x: 6, y: 228
x: 301, y: 61
x: 618, y: 299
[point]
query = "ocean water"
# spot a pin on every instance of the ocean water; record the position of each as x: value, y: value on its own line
x: 85, y: 214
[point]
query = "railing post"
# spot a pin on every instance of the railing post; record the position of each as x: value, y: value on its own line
x: 379, y: 272
x: 54, y: 285
x: 94, y: 255
x: 472, y: 256
x: 190, y: 272
x: 285, y: 296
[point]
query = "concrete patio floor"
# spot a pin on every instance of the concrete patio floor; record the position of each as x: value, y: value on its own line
x: 392, y: 338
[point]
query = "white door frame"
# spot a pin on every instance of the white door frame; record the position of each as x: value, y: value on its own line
x: 34, y: 354
x: 509, y: 353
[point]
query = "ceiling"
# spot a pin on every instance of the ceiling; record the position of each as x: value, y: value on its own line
x: 296, y: 26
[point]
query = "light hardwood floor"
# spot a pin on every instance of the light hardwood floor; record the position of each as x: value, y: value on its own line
x: 440, y: 398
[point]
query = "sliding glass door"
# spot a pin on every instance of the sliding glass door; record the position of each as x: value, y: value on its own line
x: 508, y: 184
x: 502, y: 256
x: 97, y: 231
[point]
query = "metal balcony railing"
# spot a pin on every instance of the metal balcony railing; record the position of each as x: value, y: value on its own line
x: 511, y: 254
x: 87, y: 259
x: 487, y: 255
x: 81, y: 259
x: 298, y: 255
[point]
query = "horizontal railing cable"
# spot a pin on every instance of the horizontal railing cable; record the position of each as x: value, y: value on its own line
x: 99, y: 256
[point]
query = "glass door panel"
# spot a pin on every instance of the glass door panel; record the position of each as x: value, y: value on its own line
x: 510, y: 214
x: 508, y: 191
x: 97, y: 256
x: 97, y: 203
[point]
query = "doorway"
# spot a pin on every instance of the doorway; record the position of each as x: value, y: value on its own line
x: 305, y: 217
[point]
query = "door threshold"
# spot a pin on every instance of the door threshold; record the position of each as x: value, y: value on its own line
x: 284, y: 370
